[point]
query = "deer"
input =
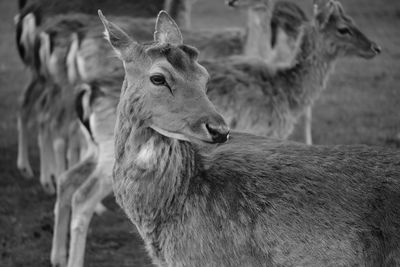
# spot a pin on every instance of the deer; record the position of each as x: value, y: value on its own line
x: 202, y: 195
x: 258, y: 99
x: 33, y: 14
x: 279, y: 28
x: 86, y: 184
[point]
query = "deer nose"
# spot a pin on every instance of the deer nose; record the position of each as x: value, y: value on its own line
x: 218, y: 133
x: 231, y: 3
x: 376, y: 48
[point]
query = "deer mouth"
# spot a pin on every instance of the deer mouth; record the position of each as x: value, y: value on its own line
x: 372, y: 52
x: 193, y: 138
x: 368, y: 55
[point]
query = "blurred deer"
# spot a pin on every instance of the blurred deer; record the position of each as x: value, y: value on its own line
x: 39, y: 24
x: 199, y: 199
x: 273, y: 29
x: 256, y: 98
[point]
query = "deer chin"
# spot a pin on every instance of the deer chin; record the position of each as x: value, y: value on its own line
x: 367, y: 54
x: 179, y: 136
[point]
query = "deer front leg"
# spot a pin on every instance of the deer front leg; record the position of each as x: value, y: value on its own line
x: 23, y: 163
x: 308, y: 125
x: 47, y: 162
x: 84, y: 203
x: 60, y: 151
x: 67, y: 185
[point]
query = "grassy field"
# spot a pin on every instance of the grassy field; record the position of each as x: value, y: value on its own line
x: 360, y: 105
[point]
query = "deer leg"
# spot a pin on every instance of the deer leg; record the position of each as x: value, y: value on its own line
x: 84, y: 203
x: 24, y: 115
x: 74, y: 152
x: 67, y: 185
x: 307, y: 125
x: 76, y: 144
x: 60, y: 150
x: 23, y: 163
x: 46, y: 160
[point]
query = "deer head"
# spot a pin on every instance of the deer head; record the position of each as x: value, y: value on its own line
x: 341, y: 36
x: 165, y: 86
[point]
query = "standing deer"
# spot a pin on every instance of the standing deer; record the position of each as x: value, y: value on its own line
x: 32, y: 15
x: 199, y: 199
x: 167, y: 85
x: 230, y: 83
x: 256, y: 98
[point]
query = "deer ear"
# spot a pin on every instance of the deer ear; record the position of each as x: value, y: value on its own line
x: 166, y: 30
x: 118, y: 39
x: 323, y: 9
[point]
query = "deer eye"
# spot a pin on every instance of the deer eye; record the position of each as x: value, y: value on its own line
x: 158, y: 79
x: 344, y: 31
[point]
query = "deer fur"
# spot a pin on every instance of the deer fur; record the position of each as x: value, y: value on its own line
x: 251, y: 201
x: 258, y: 202
x: 140, y: 148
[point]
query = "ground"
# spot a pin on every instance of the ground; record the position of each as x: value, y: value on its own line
x: 360, y: 105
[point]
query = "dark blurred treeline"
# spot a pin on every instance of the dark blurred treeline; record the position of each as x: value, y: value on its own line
x: 136, y: 8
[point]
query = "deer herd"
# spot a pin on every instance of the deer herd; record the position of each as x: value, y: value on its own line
x: 188, y: 129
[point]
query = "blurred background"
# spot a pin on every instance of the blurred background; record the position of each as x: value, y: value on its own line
x: 360, y: 106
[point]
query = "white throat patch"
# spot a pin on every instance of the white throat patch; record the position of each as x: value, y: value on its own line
x: 147, y: 155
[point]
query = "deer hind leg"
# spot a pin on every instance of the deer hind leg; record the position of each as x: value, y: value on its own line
x: 84, y: 202
x: 308, y: 125
x: 47, y: 162
x: 67, y: 185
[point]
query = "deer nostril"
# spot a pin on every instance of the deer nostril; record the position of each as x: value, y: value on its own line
x: 218, y: 134
x: 376, y: 48
x: 231, y: 3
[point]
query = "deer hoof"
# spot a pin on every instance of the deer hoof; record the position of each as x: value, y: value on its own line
x: 25, y: 171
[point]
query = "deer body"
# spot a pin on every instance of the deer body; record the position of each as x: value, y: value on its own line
x: 259, y: 202
x: 256, y: 99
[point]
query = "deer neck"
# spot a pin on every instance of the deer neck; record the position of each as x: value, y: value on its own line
x: 308, y: 77
x: 258, y: 39
x: 180, y: 11
x: 151, y: 172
